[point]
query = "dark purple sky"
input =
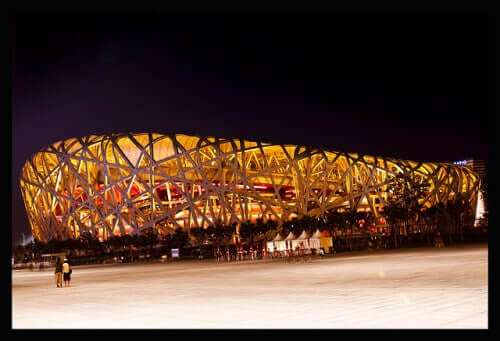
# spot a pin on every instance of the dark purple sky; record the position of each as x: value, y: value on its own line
x: 404, y: 85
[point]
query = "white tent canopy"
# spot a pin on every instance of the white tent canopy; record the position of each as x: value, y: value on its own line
x: 302, y: 241
x: 317, y: 234
x: 321, y: 240
x: 314, y: 241
x: 303, y: 235
x: 277, y: 244
x: 278, y: 237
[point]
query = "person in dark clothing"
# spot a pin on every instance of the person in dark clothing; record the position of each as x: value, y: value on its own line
x: 219, y: 255
x: 58, y: 272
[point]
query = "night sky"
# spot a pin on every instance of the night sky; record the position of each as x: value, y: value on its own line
x: 406, y: 85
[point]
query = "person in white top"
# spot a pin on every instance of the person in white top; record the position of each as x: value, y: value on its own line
x: 66, y: 273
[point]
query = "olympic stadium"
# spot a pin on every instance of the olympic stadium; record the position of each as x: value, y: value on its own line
x: 116, y: 184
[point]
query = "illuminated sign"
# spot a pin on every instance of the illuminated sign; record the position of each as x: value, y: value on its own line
x: 461, y: 163
x: 175, y: 253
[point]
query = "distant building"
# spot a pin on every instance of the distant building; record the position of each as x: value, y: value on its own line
x: 117, y: 184
x: 25, y: 239
x: 480, y: 167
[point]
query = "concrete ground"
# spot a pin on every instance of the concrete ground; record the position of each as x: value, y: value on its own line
x: 418, y: 288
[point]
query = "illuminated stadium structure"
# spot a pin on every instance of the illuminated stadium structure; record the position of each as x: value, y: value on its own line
x: 120, y: 183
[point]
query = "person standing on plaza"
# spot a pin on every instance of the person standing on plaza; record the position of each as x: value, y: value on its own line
x: 66, y: 272
x: 302, y: 251
x: 58, y: 272
x: 219, y: 255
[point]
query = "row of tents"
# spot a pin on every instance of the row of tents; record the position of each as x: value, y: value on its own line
x: 315, y: 241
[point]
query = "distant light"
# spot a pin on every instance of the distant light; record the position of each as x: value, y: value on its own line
x: 461, y: 162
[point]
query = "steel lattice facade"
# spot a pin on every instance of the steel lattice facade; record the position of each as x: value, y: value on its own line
x: 120, y: 183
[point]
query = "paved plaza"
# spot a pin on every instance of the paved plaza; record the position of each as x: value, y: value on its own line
x: 417, y: 288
